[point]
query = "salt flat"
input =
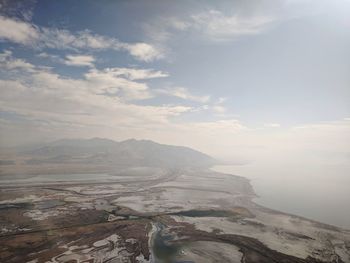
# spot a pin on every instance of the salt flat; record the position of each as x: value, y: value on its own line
x: 200, y: 213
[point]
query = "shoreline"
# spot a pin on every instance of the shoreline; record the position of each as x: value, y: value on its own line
x: 261, y: 202
x: 254, y: 196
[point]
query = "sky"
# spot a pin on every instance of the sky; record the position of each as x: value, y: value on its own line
x: 240, y: 80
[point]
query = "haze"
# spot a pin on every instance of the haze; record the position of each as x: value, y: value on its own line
x: 261, y: 84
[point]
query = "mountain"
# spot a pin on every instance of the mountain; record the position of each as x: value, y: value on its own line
x: 73, y: 147
x: 111, y: 153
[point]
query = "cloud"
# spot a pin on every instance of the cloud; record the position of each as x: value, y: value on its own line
x: 137, y: 74
x: 27, y: 34
x: 221, y: 100
x: 183, y: 93
x: 52, y: 57
x: 230, y: 126
x: 100, y: 102
x: 272, y: 125
x: 122, y: 82
x: 99, y: 99
x: 79, y: 60
x: 64, y: 39
x: 143, y: 51
x: 9, y: 63
x: 109, y: 82
x: 218, y: 26
x: 17, y: 31
x: 46, y: 55
x: 74, y: 104
x: 219, y: 109
x: 161, y: 29
x: 22, y: 9
x: 212, y: 25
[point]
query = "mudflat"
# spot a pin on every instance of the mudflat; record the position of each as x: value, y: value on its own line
x: 155, y: 215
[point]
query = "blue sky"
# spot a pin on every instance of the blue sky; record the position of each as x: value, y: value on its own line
x: 237, y: 74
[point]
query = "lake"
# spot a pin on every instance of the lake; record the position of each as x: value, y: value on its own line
x: 319, y: 193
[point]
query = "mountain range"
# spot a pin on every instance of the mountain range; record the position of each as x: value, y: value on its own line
x: 127, y: 153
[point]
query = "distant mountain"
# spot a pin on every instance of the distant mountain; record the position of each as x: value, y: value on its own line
x: 74, y: 147
x: 111, y: 153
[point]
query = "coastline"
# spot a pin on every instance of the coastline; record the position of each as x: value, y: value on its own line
x: 274, y: 200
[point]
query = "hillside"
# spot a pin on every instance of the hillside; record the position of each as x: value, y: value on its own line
x: 111, y: 153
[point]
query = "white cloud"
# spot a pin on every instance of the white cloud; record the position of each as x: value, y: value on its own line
x: 99, y: 103
x: 137, y: 74
x: 44, y: 55
x: 78, y: 103
x: 10, y: 63
x: 79, y: 60
x: 219, y: 26
x: 64, y: 39
x: 230, y: 126
x: 122, y: 82
x: 101, y: 99
x: 221, y: 100
x: 17, y: 31
x: 163, y: 28
x: 183, y: 93
x: 25, y: 33
x: 108, y: 82
x: 52, y: 57
x: 272, y: 125
x: 143, y: 51
x: 219, y: 109
x: 213, y: 25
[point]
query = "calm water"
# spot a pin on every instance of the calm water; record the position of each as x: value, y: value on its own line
x: 319, y: 193
x: 162, y: 251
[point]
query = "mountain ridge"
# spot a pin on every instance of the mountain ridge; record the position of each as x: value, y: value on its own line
x: 129, y: 152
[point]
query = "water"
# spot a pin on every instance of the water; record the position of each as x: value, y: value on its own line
x: 162, y: 250
x: 317, y: 192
